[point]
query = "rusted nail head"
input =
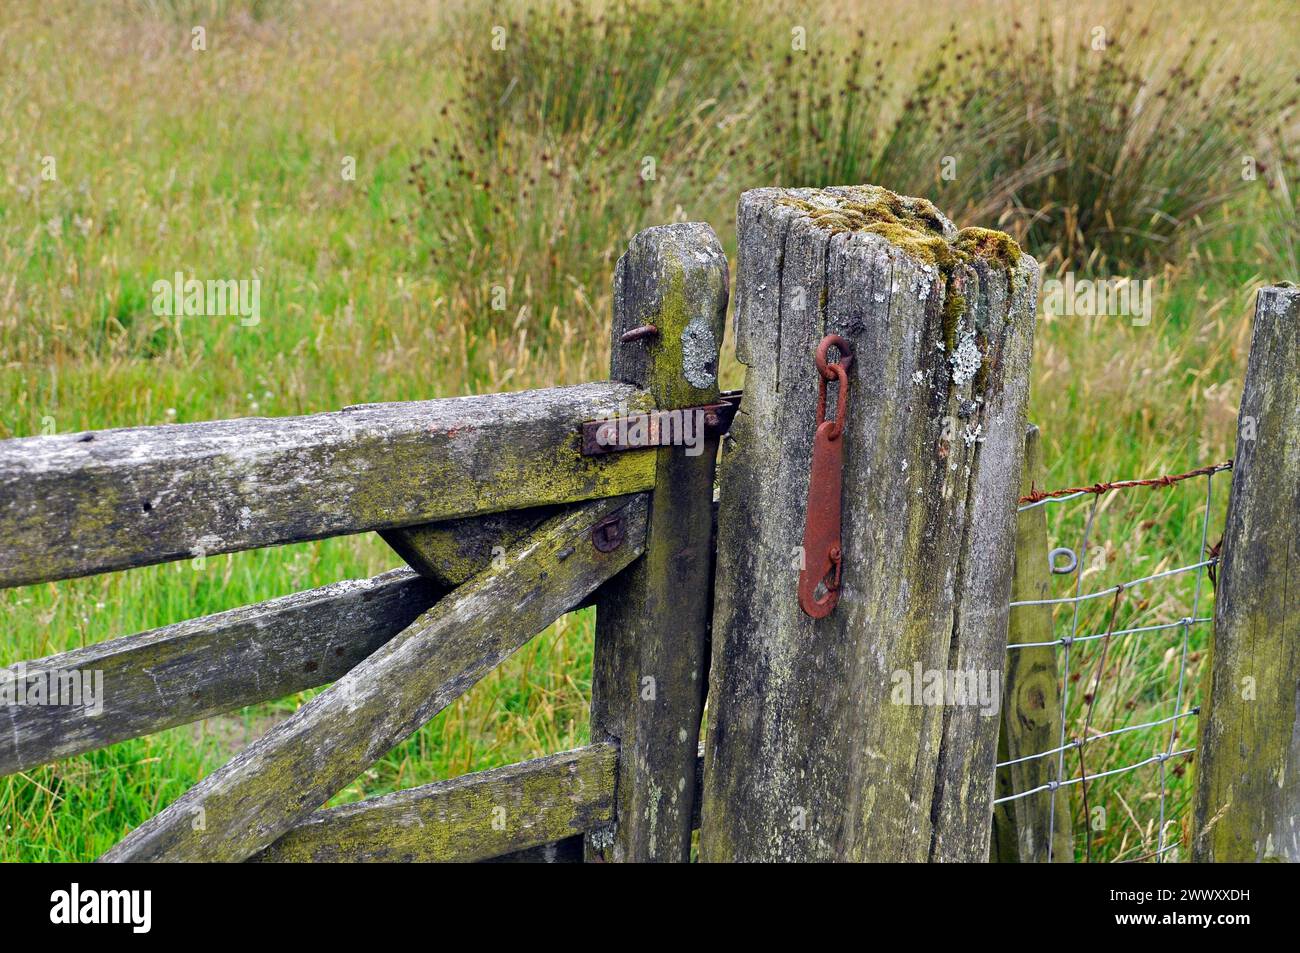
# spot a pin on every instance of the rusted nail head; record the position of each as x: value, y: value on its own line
x: 636, y: 334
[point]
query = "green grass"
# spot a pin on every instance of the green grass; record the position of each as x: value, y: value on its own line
x: 524, y: 169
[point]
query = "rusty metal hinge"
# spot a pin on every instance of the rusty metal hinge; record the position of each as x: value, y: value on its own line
x: 819, y: 580
x: 659, y: 428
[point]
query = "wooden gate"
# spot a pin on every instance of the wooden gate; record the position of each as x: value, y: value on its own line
x: 513, y: 509
x: 574, y: 519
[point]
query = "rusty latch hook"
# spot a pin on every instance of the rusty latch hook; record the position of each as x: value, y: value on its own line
x: 819, y: 580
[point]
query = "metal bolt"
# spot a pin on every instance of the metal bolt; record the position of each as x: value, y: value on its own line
x: 608, y: 534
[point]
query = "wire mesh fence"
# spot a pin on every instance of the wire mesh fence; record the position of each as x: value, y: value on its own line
x: 1130, y: 631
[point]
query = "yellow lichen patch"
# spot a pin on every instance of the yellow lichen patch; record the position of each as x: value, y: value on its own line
x: 912, y: 224
x: 933, y: 249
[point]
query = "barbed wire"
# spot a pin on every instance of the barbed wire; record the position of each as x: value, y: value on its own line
x: 1209, y: 559
x: 1035, y: 496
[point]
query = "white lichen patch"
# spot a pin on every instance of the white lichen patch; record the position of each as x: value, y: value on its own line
x: 699, y: 353
x: 924, y: 282
x: 965, y: 359
x: 602, y: 838
x: 973, y: 435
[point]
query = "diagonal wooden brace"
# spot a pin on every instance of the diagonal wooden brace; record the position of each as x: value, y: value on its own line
x: 298, y: 765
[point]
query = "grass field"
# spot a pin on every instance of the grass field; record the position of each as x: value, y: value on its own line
x: 525, y: 170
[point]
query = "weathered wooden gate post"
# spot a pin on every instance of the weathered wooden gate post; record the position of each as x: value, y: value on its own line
x: 1248, y: 765
x: 652, y: 622
x: 819, y: 746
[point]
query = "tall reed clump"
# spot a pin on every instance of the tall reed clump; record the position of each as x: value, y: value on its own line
x: 826, y: 112
x: 1280, y: 226
x: 572, y: 132
x: 1137, y: 145
x: 1098, y: 148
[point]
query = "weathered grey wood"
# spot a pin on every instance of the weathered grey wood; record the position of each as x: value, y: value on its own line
x: 808, y: 757
x: 300, y: 763
x: 1248, y: 785
x: 652, y: 622
x: 570, y: 850
x: 445, y: 803
x: 75, y: 504
x: 474, y: 817
x: 1031, y: 705
x: 451, y: 551
x: 202, y: 667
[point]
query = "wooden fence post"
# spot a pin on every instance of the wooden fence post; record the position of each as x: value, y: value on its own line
x: 818, y: 747
x: 652, y: 622
x: 1248, y: 781
x: 1031, y: 720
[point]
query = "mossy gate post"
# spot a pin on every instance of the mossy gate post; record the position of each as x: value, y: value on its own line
x: 1248, y: 781
x: 817, y: 748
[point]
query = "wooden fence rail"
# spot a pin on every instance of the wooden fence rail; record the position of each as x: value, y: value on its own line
x: 144, y: 495
x: 203, y: 667
x: 305, y: 760
x: 507, y: 520
x: 473, y: 817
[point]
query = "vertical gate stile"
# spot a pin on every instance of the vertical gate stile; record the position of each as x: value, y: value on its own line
x: 651, y: 656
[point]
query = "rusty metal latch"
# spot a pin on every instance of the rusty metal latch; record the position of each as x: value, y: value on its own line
x: 658, y: 428
x: 819, y: 580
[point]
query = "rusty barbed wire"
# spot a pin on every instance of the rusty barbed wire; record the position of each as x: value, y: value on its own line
x: 1037, y: 496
